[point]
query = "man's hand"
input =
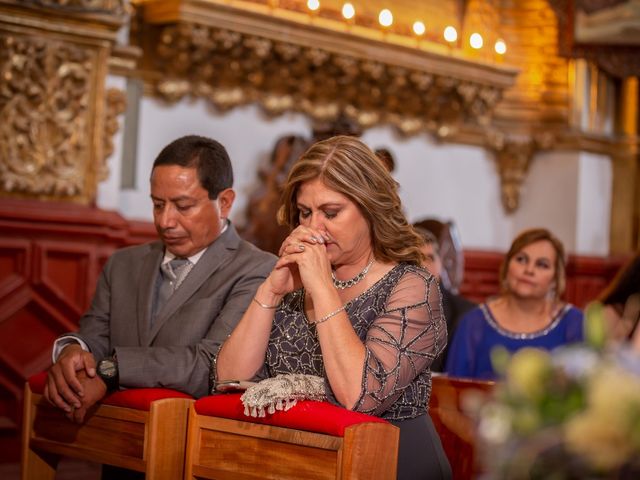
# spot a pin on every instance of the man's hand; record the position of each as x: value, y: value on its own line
x: 94, y: 390
x: 63, y: 389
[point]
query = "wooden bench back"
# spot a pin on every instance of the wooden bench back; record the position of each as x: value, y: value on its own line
x: 456, y: 429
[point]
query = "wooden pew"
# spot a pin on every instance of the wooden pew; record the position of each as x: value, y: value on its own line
x: 312, y: 441
x: 138, y: 429
x: 456, y: 429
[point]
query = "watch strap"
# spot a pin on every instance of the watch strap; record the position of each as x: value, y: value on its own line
x: 108, y: 371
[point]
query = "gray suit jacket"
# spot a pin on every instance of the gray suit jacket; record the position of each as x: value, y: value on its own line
x: 176, y: 351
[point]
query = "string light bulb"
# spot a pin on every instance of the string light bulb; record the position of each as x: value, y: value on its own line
x: 475, y: 40
x: 450, y: 34
x: 500, y: 47
x: 385, y: 17
x: 419, y: 28
x: 313, y: 5
x: 348, y: 11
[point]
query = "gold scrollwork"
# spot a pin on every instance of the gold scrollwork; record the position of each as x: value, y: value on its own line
x: 513, y: 155
x: 107, y: 6
x: 116, y: 104
x: 230, y: 68
x: 44, y: 101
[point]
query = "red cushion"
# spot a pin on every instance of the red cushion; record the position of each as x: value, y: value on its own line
x: 136, y: 398
x: 309, y: 415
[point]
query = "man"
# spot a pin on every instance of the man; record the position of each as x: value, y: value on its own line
x: 454, y: 306
x: 161, y: 308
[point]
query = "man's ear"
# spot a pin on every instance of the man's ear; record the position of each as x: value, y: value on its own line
x: 225, y: 200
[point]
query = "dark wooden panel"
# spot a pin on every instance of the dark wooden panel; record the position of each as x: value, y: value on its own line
x: 51, y: 255
x: 456, y: 428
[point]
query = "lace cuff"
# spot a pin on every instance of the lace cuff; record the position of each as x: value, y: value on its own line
x: 281, y: 393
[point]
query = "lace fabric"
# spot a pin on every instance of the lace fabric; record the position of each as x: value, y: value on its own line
x: 400, y: 322
x: 281, y: 393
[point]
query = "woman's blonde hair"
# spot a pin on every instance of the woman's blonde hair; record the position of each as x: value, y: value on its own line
x: 345, y: 164
x: 527, y: 237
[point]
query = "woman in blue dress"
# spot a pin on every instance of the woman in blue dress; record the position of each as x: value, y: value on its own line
x: 527, y: 313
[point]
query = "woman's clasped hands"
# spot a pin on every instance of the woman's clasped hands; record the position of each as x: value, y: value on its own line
x: 303, y: 262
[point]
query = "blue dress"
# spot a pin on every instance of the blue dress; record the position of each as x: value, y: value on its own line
x: 478, y: 333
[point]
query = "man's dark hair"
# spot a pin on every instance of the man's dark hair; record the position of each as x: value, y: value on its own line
x: 207, y: 156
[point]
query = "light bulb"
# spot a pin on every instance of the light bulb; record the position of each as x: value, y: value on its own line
x: 385, y: 18
x: 500, y: 47
x: 348, y: 11
x: 475, y: 40
x: 313, y: 4
x: 450, y: 34
x: 419, y: 28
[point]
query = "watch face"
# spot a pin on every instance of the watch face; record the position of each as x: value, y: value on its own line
x: 107, y: 368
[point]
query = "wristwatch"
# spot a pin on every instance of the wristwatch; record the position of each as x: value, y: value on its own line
x: 108, y: 372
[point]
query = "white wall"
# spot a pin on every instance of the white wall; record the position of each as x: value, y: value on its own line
x: 568, y: 192
x: 594, y: 204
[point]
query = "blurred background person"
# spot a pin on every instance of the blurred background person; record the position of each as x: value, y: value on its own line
x: 454, y: 306
x: 621, y: 301
x: 527, y: 313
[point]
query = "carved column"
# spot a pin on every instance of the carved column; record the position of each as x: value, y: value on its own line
x: 625, y: 202
x: 53, y: 62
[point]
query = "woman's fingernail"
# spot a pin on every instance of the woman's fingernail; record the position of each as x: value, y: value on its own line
x: 301, y: 247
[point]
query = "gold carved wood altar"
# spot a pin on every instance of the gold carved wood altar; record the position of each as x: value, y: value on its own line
x: 282, y: 56
x: 233, y: 56
x: 57, y: 117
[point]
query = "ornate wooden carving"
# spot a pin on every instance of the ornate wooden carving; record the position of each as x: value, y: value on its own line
x: 116, y: 105
x: 114, y: 6
x: 44, y: 99
x: 617, y: 60
x: 232, y: 57
x: 513, y: 155
x: 57, y: 125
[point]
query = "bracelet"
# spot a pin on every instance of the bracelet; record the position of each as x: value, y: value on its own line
x: 328, y: 316
x: 264, y: 305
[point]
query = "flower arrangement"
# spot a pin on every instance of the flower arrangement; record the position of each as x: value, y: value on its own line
x: 573, y: 413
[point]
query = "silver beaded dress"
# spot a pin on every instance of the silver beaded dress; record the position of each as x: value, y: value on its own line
x: 399, y: 320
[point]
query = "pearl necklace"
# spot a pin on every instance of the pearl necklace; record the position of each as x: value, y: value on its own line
x: 342, y: 284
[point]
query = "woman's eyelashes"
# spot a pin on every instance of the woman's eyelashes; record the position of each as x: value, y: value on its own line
x: 539, y: 263
x: 544, y: 264
x: 328, y: 214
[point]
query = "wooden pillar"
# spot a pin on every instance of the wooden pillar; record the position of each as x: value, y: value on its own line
x: 625, y: 202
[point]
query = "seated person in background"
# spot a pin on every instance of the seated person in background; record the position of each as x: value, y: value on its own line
x: 143, y: 331
x: 621, y: 300
x: 454, y: 306
x: 528, y: 312
x: 348, y: 301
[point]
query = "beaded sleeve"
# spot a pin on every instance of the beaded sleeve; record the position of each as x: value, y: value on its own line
x: 400, y: 322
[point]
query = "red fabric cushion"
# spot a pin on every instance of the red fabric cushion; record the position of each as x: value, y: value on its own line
x: 136, y: 398
x: 309, y: 415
